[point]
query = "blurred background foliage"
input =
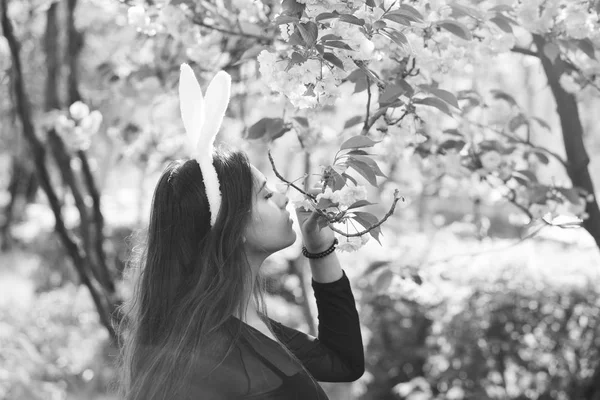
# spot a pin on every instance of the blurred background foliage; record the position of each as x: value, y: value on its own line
x: 454, y: 304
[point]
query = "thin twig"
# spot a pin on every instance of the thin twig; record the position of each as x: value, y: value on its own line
x: 374, y: 119
x: 198, y: 21
x: 389, y: 213
x: 365, y: 126
x: 324, y: 215
x: 277, y: 174
x: 512, y: 200
x: 481, y: 252
x: 519, y: 140
x: 522, y: 50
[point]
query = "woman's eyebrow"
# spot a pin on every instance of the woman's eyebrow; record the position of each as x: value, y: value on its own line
x: 263, y: 185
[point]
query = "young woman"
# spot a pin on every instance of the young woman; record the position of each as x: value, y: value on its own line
x: 197, y: 327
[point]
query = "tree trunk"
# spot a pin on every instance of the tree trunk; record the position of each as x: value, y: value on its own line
x: 572, y: 133
x: 577, y: 160
x: 23, y: 110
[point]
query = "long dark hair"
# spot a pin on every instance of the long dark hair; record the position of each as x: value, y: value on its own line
x: 188, y: 278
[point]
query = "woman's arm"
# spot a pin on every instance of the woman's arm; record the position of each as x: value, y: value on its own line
x: 337, y: 354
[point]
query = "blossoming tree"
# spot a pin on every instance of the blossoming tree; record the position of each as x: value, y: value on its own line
x: 398, y: 53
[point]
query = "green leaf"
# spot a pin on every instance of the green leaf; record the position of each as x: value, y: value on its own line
x: 541, y: 156
x: 400, y: 19
x: 331, y: 37
x: 357, y: 152
x: 357, y: 119
x: 364, y: 170
x: 348, y: 177
x: 501, y: 8
x: 334, y: 180
x: 332, y: 58
x: 551, y: 50
x: 298, y: 58
x: 442, y: 94
x: 502, y: 22
x: 587, y: 47
x: 338, y: 44
x: 325, y: 203
x: 524, y: 176
x: 499, y: 94
x: 488, y: 145
x: 452, y: 144
x: 366, y: 219
x: 391, y: 93
x: 357, y: 142
x: 309, y: 31
x: 355, y: 75
x: 292, y: 8
x: 273, y: 127
x: 397, y: 37
x: 572, y: 194
x: 517, y: 121
x: 258, y: 130
x: 303, y: 121
x: 370, y: 162
x: 361, y: 85
x: 460, y: 10
x: 453, y: 132
x: 296, y: 40
x: 543, y: 123
x: 285, y: 19
x: 326, y: 15
x: 413, y: 11
x: 351, y: 19
x: 434, y: 102
x: 360, y: 203
x: 379, y: 24
x: 251, y: 53
x: 456, y: 28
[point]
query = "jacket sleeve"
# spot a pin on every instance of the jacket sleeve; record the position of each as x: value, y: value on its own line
x: 337, y: 354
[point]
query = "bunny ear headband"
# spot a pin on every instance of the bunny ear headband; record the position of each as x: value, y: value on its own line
x: 202, y: 118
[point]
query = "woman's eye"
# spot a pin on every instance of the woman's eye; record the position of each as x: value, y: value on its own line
x: 268, y: 195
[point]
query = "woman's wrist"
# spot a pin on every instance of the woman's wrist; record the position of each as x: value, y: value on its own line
x: 319, y: 247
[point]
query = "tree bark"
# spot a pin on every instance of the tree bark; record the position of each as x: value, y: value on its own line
x: 577, y: 160
x: 39, y: 155
x: 75, y: 40
x: 572, y: 133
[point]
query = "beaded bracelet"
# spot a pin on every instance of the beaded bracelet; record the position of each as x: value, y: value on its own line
x: 319, y: 255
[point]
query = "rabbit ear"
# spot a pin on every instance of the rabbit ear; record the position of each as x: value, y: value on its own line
x: 216, y: 102
x: 191, y: 103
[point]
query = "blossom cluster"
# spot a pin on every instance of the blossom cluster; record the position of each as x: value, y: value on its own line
x: 77, y: 127
x: 351, y: 243
x: 305, y: 85
x: 164, y: 17
x: 345, y: 196
x: 341, y: 199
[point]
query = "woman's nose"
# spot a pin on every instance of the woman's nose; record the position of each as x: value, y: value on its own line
x: 286, y: 200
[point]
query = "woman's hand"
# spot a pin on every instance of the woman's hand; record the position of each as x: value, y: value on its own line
x: 315, y: 240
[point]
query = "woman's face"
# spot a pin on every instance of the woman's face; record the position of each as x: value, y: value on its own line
x: 270, y: 226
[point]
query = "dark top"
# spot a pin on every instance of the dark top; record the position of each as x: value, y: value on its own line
x: 258, y: 368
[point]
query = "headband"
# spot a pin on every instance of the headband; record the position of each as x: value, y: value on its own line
x: 200, y: 130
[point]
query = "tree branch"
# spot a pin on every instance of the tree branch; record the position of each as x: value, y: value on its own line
x: 329, y: 220
x: 198, y: 21
x: 519, y: 140
x: 366, y: 126
x: 522, y: 50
